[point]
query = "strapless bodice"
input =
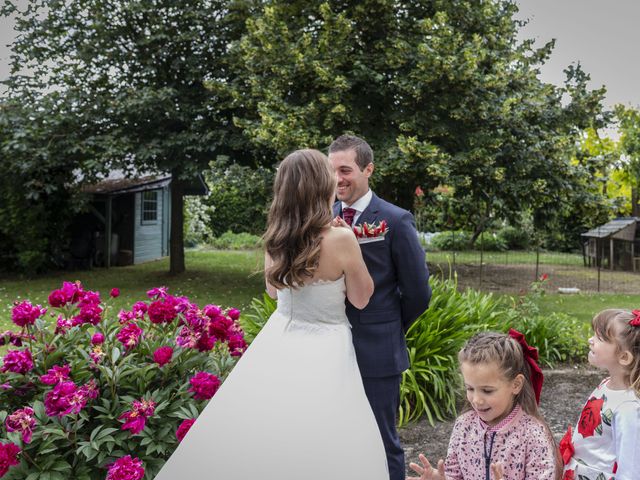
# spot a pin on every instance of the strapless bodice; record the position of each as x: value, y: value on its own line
x: 321, y: 302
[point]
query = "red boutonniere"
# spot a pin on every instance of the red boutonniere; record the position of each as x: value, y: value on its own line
x: 371, y: 230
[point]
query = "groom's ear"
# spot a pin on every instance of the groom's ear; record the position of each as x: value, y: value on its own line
x: 368, y: 170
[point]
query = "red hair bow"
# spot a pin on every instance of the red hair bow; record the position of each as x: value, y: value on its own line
x: 635, y: 321
x: 531, y: 357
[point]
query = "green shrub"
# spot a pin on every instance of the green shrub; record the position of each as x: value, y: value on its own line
x: 235, y: 241
x: 240, y: 196
x: 88, y: 413
x: 490, y: 242
x: 454, y: 240
x: 262, y: 309
x: 431, y: 385
x: 515, y: 238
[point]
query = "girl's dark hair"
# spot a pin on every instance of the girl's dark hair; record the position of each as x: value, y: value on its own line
x: 506, y: 352
x: 612, y: 325
x: 301, y: 208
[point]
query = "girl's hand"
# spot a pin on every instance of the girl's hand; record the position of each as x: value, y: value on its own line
x: 498, y: 471
x: 426, y: 471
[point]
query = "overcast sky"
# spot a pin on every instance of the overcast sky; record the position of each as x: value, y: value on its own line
x: 601, y: 34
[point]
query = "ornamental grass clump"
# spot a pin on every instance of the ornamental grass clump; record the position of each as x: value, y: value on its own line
x: 92, y: 394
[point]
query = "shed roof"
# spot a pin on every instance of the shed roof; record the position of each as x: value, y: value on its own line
x: 610, y: 228
x: 120, y: 185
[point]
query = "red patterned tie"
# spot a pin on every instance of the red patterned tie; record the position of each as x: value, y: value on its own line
x: 348, y: 214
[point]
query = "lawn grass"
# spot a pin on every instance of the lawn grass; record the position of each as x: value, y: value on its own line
x: 585, y: 306
x: 225, y: 278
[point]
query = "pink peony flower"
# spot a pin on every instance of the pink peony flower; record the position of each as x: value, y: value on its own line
x: 158, y: 292
x: 204, y: 385
x: 184, y: 427
x: 56, y: 374
x: 89, y: 390
x: 234, y: 314
x: 8, y: 457
x: 89, y: 313
x: 63, y: 325
x: 126, y: 468
x: 221, y: 328
x: 237, y: 344
x: 161, y: 311
x: 72, y: 291
x: 97, y: 354
x: 97, y: 338
x: 24, y: 313
x: 139, y: 309
x: 212, y: 311
x: 136, y: 418
x: 130, y: 335
x: 89, y: 298
x: 17, y: 361
x: 57, y: 299
x: 163, y: 355
x: 61, y: 400
x: 22, y: 421
x: 115, y: 293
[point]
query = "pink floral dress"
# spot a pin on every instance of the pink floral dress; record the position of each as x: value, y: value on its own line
x: 520, y: 442
x: 606, y: 441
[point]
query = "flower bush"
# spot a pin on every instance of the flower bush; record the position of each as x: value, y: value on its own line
x: 87, y: 393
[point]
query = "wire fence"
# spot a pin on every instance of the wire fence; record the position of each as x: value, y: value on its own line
x: 607, y: 265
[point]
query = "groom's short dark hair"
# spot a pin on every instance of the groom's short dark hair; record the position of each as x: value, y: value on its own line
x: 364, y: 154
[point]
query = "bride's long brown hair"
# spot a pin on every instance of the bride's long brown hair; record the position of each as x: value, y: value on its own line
x: 300, y: 210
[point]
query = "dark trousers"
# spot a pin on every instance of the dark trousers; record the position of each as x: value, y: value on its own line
x: 384, y: 397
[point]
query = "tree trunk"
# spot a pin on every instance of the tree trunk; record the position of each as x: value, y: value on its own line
x: 176, y: 242
x: 635, y: 211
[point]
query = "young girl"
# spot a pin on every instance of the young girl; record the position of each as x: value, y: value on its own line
x: 502, y: 436
x: 606, y: 441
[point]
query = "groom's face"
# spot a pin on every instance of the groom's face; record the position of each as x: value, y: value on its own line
x: 353, y: 183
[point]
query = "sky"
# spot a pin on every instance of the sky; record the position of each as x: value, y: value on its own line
x: 600, y: 34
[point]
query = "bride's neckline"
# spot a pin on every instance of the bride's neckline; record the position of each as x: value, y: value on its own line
x: 323, y: 282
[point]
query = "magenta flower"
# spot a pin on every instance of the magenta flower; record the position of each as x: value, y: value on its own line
x: 24, y: 313
x: 115, y: 293
x: 62, y: 400
x: 162, y: 355
x: 8, y: 457
x: 89, y: 298
x: 204, y: 385
x: 126, y: 468
x: 212, y: 311
x: 129, y: 335
x: 237, y: 344
x: 158, y: 292
x: 17, y: 361
x: 139, y: 309
x: 184, y: 427
x: 72, y: 291
x: 57, y: 299
x: 234, y: 314
x: 97, y: 338
x: 56, y: 374
x: 136, y: 418
x: 63, y: 325
x: 97, y: 354
x: 22, y: 421
x: 221, y: 327
x: 161, y: 311
x: 89, y: 313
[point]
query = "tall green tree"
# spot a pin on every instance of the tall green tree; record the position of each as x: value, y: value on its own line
x: 443, y: 91
x: 629, y: 128
x: 134, y: 76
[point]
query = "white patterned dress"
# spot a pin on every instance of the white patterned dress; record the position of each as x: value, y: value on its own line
x: 605, y: 445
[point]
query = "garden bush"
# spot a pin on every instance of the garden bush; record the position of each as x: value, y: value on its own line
x: 235, y: 241
x: 454, y: 240
x: 490, y: 242
x: 89, y: 394
x: 515, y: 238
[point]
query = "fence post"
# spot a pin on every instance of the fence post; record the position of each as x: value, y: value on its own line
x: 599, y: 256
x: 537, y: 263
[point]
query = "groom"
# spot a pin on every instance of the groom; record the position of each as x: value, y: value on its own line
x: 399, y: 271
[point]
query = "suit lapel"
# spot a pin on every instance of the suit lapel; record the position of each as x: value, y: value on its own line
x: 370, y: 214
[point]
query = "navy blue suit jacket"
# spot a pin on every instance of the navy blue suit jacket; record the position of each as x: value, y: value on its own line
x: 402, y: 293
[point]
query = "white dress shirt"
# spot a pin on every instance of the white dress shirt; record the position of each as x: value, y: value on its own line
x: 359, y: 205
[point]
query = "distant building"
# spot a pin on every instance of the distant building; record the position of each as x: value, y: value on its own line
x: 614, y: 245
x: 127, y: 217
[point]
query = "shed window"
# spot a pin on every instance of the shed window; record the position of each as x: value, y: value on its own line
x: 149, y: 207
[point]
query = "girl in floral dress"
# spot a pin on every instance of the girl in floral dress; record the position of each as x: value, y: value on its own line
x: 502, y: 436
x: 605, y: 444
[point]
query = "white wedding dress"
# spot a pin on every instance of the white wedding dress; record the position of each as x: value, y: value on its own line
x: 293, y: 407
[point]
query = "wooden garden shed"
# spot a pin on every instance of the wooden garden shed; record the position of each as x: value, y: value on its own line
x: 614, y: 245
x: 127, y: 217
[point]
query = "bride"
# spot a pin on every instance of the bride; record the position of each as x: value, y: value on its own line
x: 294, y: 405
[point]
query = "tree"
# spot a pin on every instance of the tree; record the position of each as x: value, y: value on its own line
x: 134, y: 76
x: 629, y: 128
x: 443, y: 91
